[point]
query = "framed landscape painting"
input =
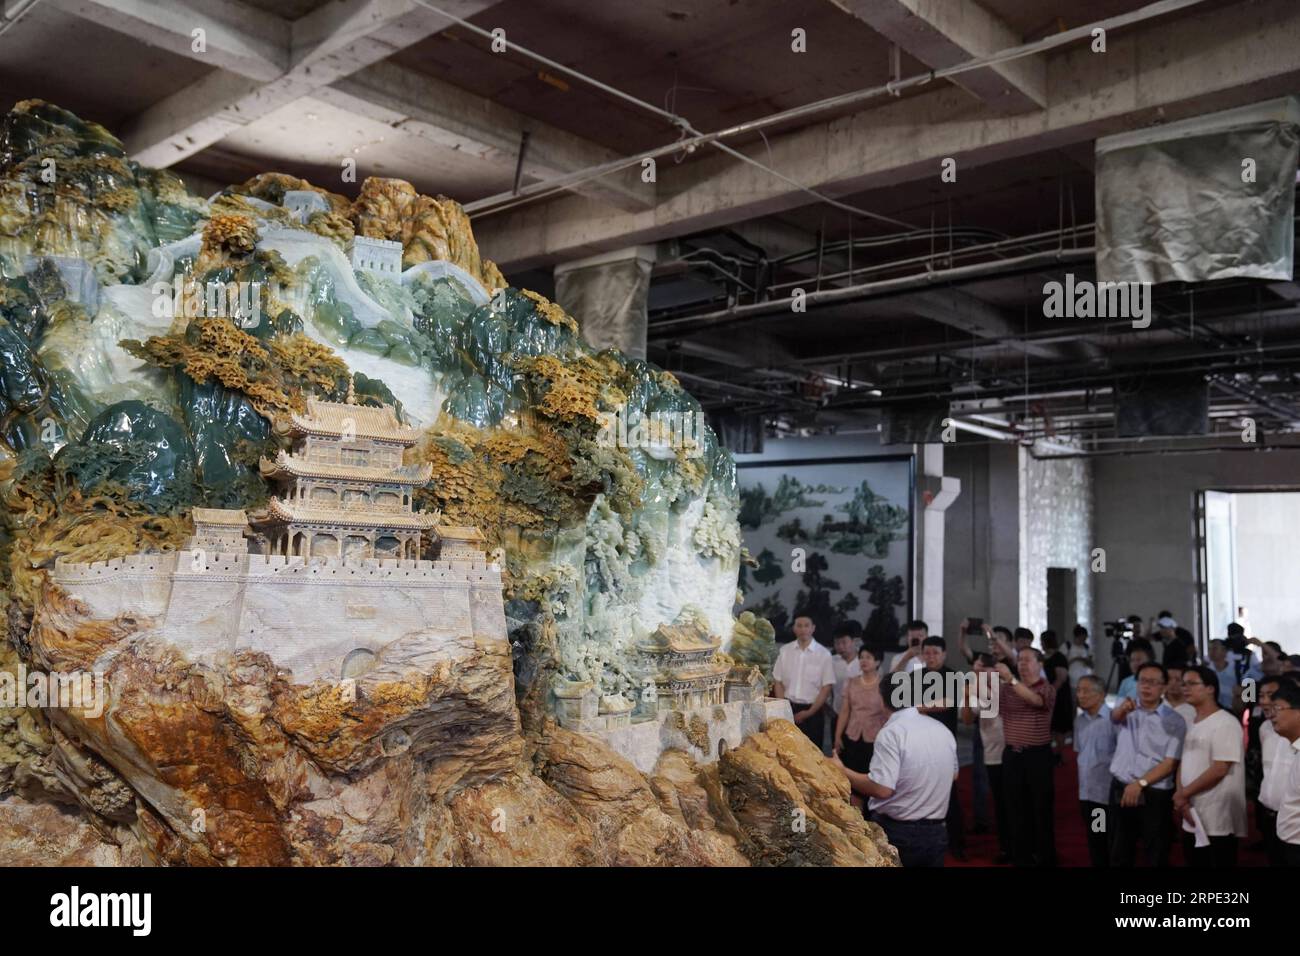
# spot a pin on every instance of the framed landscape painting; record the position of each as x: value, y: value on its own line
x: 832, y: 539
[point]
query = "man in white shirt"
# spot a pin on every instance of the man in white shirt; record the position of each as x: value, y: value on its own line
x: 845, y: 663
x: 992, y: 742
x: 913, y: 638
x: 805, y: 676
x: 1275, y: 758
x: 1286, y: 721
x: 912, y: 771
x: 1175, y: 695
x: 1225, y: 670
x: 1211, y: 777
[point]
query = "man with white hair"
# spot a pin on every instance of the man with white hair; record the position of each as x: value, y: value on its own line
x: 1094, y: 742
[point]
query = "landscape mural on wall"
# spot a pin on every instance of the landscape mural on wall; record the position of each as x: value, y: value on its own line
x: 831, y: 540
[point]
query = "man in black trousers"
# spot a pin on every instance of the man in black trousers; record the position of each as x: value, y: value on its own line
x: 1025, y: 701
x: 1147, y: 749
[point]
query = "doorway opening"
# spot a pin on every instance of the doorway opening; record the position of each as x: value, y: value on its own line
x: 1062, y: 594
x: 1250, y: 564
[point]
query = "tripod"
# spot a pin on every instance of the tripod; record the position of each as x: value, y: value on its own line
x: 1117, y: 672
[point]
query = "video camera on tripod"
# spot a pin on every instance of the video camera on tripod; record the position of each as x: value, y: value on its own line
x: 1121, y: 634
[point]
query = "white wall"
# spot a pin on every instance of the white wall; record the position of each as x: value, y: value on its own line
x: 1145, y: 518
x: 1268, y: 565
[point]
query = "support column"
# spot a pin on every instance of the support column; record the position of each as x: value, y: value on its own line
x: 936, y: 493
x: 607, y: 296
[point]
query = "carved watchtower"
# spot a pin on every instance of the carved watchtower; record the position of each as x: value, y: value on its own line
x: 345, y: 492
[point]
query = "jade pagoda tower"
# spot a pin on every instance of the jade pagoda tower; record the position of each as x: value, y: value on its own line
x: 345, y: 492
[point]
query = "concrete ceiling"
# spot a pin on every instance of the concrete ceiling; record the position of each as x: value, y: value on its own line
x: 300, y: 85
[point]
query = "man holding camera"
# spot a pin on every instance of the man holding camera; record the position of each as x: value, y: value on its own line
x: 910, y: 659
x: 1025, y: 702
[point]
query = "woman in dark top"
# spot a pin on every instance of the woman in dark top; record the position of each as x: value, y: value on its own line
x: 1057, y: 671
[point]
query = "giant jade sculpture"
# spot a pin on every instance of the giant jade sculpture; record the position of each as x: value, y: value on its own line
x: 157, y: 348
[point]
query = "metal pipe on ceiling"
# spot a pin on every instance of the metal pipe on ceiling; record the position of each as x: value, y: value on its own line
x: 741, y: 390
x: 867, y: 290
x: 1133, y: 452
x: 925, y: 388
x: 997, y: 247
x: 689, y: 143
x: 991, y: 248
x: 847, y: 245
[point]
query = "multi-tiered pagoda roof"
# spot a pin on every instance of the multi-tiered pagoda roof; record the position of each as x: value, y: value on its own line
x: 345, y: 491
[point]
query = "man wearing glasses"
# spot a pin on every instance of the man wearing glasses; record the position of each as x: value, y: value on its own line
x: 1286, y: 721
x: 1277, y: 756
x: 1147, y: 750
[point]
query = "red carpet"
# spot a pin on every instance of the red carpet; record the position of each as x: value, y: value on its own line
x: 1071, y: 844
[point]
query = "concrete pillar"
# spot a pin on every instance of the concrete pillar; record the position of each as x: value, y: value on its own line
x: 936, y: 493
x: 982, y: 535
x: 607, y: 296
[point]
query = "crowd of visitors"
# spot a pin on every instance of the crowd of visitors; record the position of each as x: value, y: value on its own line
x: 1171, y: 756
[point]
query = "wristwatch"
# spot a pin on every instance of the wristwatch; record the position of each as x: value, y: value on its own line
x: 1015, y: 681
x: 1143, y: 782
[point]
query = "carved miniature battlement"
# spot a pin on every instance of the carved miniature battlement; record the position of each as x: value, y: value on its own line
x: 189, y: 563
x: 309, y: 614
x: 322, y: 579
x: 161, y: 564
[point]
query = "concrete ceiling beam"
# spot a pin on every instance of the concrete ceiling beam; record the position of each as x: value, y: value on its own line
x: 294, y: 59
x: 960, y: 310
x: 453, y: 118
x: 236, y: 37
x: 1228, y: 56
x: 942, y: 33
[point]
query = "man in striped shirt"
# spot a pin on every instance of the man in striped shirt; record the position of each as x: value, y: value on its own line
x: 1025, y: 705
